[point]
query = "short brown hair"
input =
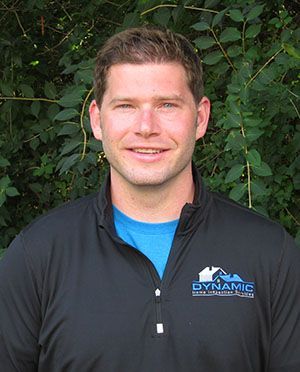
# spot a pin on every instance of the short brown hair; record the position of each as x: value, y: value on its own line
x: 148, y: 45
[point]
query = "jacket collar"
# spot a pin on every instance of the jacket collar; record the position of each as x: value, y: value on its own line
x: 192, y: 213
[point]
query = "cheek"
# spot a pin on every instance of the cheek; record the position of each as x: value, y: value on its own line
x: 116, y: 125
x: 185, y: 132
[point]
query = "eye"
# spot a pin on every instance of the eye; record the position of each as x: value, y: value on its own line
x: 124, y: 106
x: 168, y: 105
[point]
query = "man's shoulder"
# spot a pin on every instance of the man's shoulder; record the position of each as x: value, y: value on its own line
x: 65, y: 217
x: 242, y: 221
x: 243, y: 233
x: 55, y: 234
x: 232, y: 208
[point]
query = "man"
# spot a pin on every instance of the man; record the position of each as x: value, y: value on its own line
x: 154, y: 273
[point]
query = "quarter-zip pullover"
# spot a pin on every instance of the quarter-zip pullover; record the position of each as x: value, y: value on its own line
x: 75, y: 297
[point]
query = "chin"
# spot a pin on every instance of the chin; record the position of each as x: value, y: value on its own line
x: 146, y: 181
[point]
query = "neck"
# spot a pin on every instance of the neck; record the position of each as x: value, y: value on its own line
x: 159, y: 203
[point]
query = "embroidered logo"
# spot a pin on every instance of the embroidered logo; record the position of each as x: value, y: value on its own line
x: 214, y: 281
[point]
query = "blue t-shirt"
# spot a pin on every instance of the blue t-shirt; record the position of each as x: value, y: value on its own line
x: 154, y: 240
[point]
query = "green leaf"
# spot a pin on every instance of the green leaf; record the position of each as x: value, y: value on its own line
x: 162, y: 16
x: 236, y: 15
x: 254, y: 158
x: 68, y: 129
x: 253, y: 134
x: 258, y: 188
x: 296, y: 181
x: 262, y: 170
x: 70, y: 69
x: 238, y: 191
x: 70, y: 146
x: 261, y: 210
x: 210, y: 3
x: 131, y: 20
x: 95, y: 145
x: 232, y: 121
x: 2, y: 198
x: 285, y: 35
x: 234, y: 173
x: 52, y: 111
x: 4, y: 182
x: 50, y: 90
x: 230, y: 34
x: 266, y: 76
x: 4, y: 162
x: 35, y: 108
x: 217, y: 18
x: 252, y: 31
x: 250, y: 122
x: 292, y: 51
x: 234, y: 50
x: 255, y: 12
x: 68, y: 163
x: 6, y: 88
x: 256, y: 85
x: 34, y: 143
x: 72, y: 99
x: 66, y: 114
x: 84, y: 76
x: 12, y: 191
x: 2, y: 223
x: 204, y: 42
x: 201, y: 26
x: 213, y: 58
x: 235, y: 141
x: 26, y: 90
x: 177, y: 13
x: 36, y: 187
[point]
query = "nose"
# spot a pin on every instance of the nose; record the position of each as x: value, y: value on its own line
x: 147, y: 124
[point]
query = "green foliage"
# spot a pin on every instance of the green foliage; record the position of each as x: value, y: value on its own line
x: 250, y: 53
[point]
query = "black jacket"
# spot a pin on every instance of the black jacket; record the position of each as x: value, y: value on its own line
x: 74, y: 297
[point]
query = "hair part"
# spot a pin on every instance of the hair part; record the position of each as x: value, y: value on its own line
x: 143, y: 45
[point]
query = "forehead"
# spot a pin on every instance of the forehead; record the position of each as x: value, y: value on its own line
x: 130, y: 78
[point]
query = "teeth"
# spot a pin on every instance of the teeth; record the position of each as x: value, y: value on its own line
x: 147, y: 151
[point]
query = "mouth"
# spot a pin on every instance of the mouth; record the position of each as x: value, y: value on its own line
x: 148, y: 151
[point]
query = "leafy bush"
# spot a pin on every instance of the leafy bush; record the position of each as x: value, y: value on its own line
x: 250, y: 53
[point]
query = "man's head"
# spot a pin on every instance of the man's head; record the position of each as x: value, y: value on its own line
x: 149, y: 109
x: 148, y: 45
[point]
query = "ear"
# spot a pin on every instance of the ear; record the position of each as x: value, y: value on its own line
x: 95, y: 120
x: 203, y: 112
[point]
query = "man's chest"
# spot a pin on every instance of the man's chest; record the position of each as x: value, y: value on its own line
x: 106, y: 316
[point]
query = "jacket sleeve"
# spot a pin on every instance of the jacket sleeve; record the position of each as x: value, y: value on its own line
x: 19, y: 311
x: 285, y: 345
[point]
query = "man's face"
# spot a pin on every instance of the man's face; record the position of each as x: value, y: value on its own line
x: 148, y: 123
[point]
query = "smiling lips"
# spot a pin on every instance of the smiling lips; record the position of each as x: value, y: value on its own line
x: 148, y: 151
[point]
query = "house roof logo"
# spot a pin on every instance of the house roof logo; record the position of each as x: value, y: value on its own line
x: 214, y: 281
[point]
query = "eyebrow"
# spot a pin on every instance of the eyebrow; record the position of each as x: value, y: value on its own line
x: 174, y: 97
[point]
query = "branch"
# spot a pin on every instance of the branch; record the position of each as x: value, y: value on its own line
x: 82, y: 123
x: 243, y: 37
x: 28, y: 99
x: 248, y: 170
x: 222, y: 49
x: 264, y: 66
x: 37, y: 135
x: 175, y: 6
x: 64, y: 10
x: 57, y: 45
x: 20, y: 24
x: 295, y: 107
x: 293, y: 218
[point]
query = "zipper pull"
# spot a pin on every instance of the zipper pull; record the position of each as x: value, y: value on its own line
x: 159, y: 326
x: 157, y: 294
